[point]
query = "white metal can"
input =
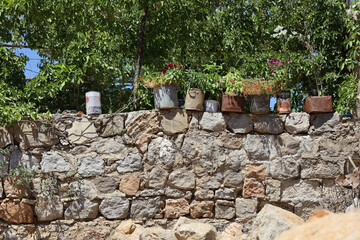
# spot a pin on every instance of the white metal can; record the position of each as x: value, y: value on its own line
x: 93, y: 103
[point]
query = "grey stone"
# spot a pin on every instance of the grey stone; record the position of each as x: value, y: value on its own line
x: 284, y: 168
x: 182, y: 179
x: 151, y: 192
x: 32, y: 134
x: 246, y: 208
x: 90, y: 166
x: 115, y: 208
x: 195, y: 119
x: 81, y: 132
x: 106, y: 184
x: 234, y: 179
x: 204, y: 194
x: 239, y: 123
x: 131, y: 163
x: 297, y: 123
x: 17, y: 158
x: 313, y: 168
x: 273, y: 190
x: 145, y: 208
x: 212, y: 122
x: 225, y: 193
x: 224, y: 209
x: 287, y: 144
x: 82, y: 209
x: 1, y: 190
x: 6, y: 138
x: 54, y: 162
x: 175, y: 121
x: 174, y: 193
x: 84, y: 188
x: 108, y: 145
x: 49, y: 208
x: 157, y: 178
x: 260, y: 146
x: 111, y: 125
x: 195, y: 231
x: 142, y: 122
x: 161, y: 152
x: 236, y: 160
x: 272, y: 221
x: 324, y: 122
x: 269, y: 125
x: 296, y: 191
x: 4, y: 163
x: 210, y: 182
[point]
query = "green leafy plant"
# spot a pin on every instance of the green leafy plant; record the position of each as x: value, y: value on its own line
x: 232, y: 83
x: 172, y: 74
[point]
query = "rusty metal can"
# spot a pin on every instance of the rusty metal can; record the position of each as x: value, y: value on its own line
x: 283, y: 102
x: 316, y: 104
x: 233, y: 104
x: 194, y: 100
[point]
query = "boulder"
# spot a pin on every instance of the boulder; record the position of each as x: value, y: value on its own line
x: 16, y: 212
x: 89, y: 166
x: 115, y: 208
x: 330, y: 226
x: 212, y: 122
x: 49, y: 208
x: 297, y: 123
x: 239, y: 123
x: 81, y: 132
x: 173, y: 122
x: 271, y: 221
x: 269, y: 125
x: 82, y: 209
x: 195, y: 231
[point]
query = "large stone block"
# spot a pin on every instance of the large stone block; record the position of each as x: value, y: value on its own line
x: 296, y: 191
x: 204, y: 194
x: 6, y: 138
x: 315, y: 168
x: 236, y: 160
x: 15, y: 188
x: 16, y: 212
x: 324, y: 122
x: 212, y: 122
x: 200, y: 209
x: 115, y: 208
x: 17, y: 158
x: 141, y: 123
x: 195, y: 231
x: 54, y: 162
x: 173, y: 122
x: 106, y: 184
x: 271, y: 222
x: 284, y: 168
x: 108, y: 145
x: 82, y: 132
x: 161, y: 152
x: 157, y: 178
x: 175, y: 208
x: 82, y: 209
x: 239, y: 123
x: 130, y: 163
x: 145, y: 208
x: 273, y: 190
x: 253, y: 188
x: 297, y: 123
x: 269, y: 125
x: 246, y: 208
x: 31, y: 134
x: 110, y: 125
x: 225, y: 193
x: 255, y: 171
x: 129, y: 185
x: 234, y: 180
x: 287, y: 144
x: 182, y: 179
x: 89, y: 166
x: 260, y: 146
x: 49, y: 208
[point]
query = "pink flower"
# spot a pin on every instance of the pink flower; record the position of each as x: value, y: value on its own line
x: 281, y: 65
x: 270, y: 64
x: 282, y: 61
x: 288, y: 60
x: 141, y: 79
x: 275, y: 67
x: 274, y: 57
x: 267, y: 88
x: 272, y: 69
x: 163, y: 69
x: 170, y: 65
x: 270, y: 60
x: 180, y: 67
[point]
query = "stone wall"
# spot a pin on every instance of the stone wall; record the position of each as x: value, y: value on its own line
x: 156, y: 166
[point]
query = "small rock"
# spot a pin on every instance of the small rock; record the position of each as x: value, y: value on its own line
x: 200, y: 209
x: 82, y: 209
x: 256, y: 171
x: 273, y: 190
x: 145, y: 208
x: 195, y: 231
x: 115, y: 208
x: 297, y: 123
x: 182, y: 179
x: 224, y: 209
x: 106, y: 184
x: 269, y: 125
x: 16, y: 212
x: 246, y: 208
x: 253, y: 188
x: 175, y: 208
x: 240, y: 123
x: 131, y: 163
x: 212, y: 122
x: 204, y: 194
x: 90, y: 166
x: 234, y: 180
x: 129, y: 185
x: 49, y: 208
x: 225, y: 193
x: 157, y: 178
x: 126, y: 227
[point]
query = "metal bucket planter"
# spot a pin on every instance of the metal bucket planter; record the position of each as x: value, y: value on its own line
x: 165, y: 97
x: 93, y: 103
x: 283, y: 102
x: 315, y: 104
x: 211, y: 105
x: 233, y: 104
x: 259, y: 104
x: 194, y: 100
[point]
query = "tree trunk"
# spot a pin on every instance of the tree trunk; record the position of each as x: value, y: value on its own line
x: 139, y: 51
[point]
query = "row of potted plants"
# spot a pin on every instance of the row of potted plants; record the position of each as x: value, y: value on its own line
x: 231, y: 89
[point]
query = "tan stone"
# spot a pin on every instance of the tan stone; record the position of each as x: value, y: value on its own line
x: 13, y: 188
x: 129, y: 185
x: 82, y: 132
x: 253, y: 188
x: 126, y: 227
x: 233, y: 230
x: 173, y: 122
x: 201, y: 209
x: 19, y: 212
x: 256, y: 171
x: 331, y: 226
x: 176, y: 207
x: 318, y: 214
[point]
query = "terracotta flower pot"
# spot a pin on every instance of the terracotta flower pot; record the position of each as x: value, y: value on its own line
x: 233, y: 104
x: 316, y: 104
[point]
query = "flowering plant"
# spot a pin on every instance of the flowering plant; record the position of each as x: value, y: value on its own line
x: 231, y: 83
x: 172, y: 74
x: 275, y: 79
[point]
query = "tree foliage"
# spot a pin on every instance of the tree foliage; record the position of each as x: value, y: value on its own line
x: 93, y: 44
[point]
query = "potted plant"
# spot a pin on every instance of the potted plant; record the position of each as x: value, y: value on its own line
x: 232, y: 101
x: 165, y: 85
x: 194, y: 100
x: 211, y: 87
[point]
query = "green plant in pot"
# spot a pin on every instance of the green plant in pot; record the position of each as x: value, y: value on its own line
x: 193, y: 89
x: 165, y: 85
x: 232, y: 98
